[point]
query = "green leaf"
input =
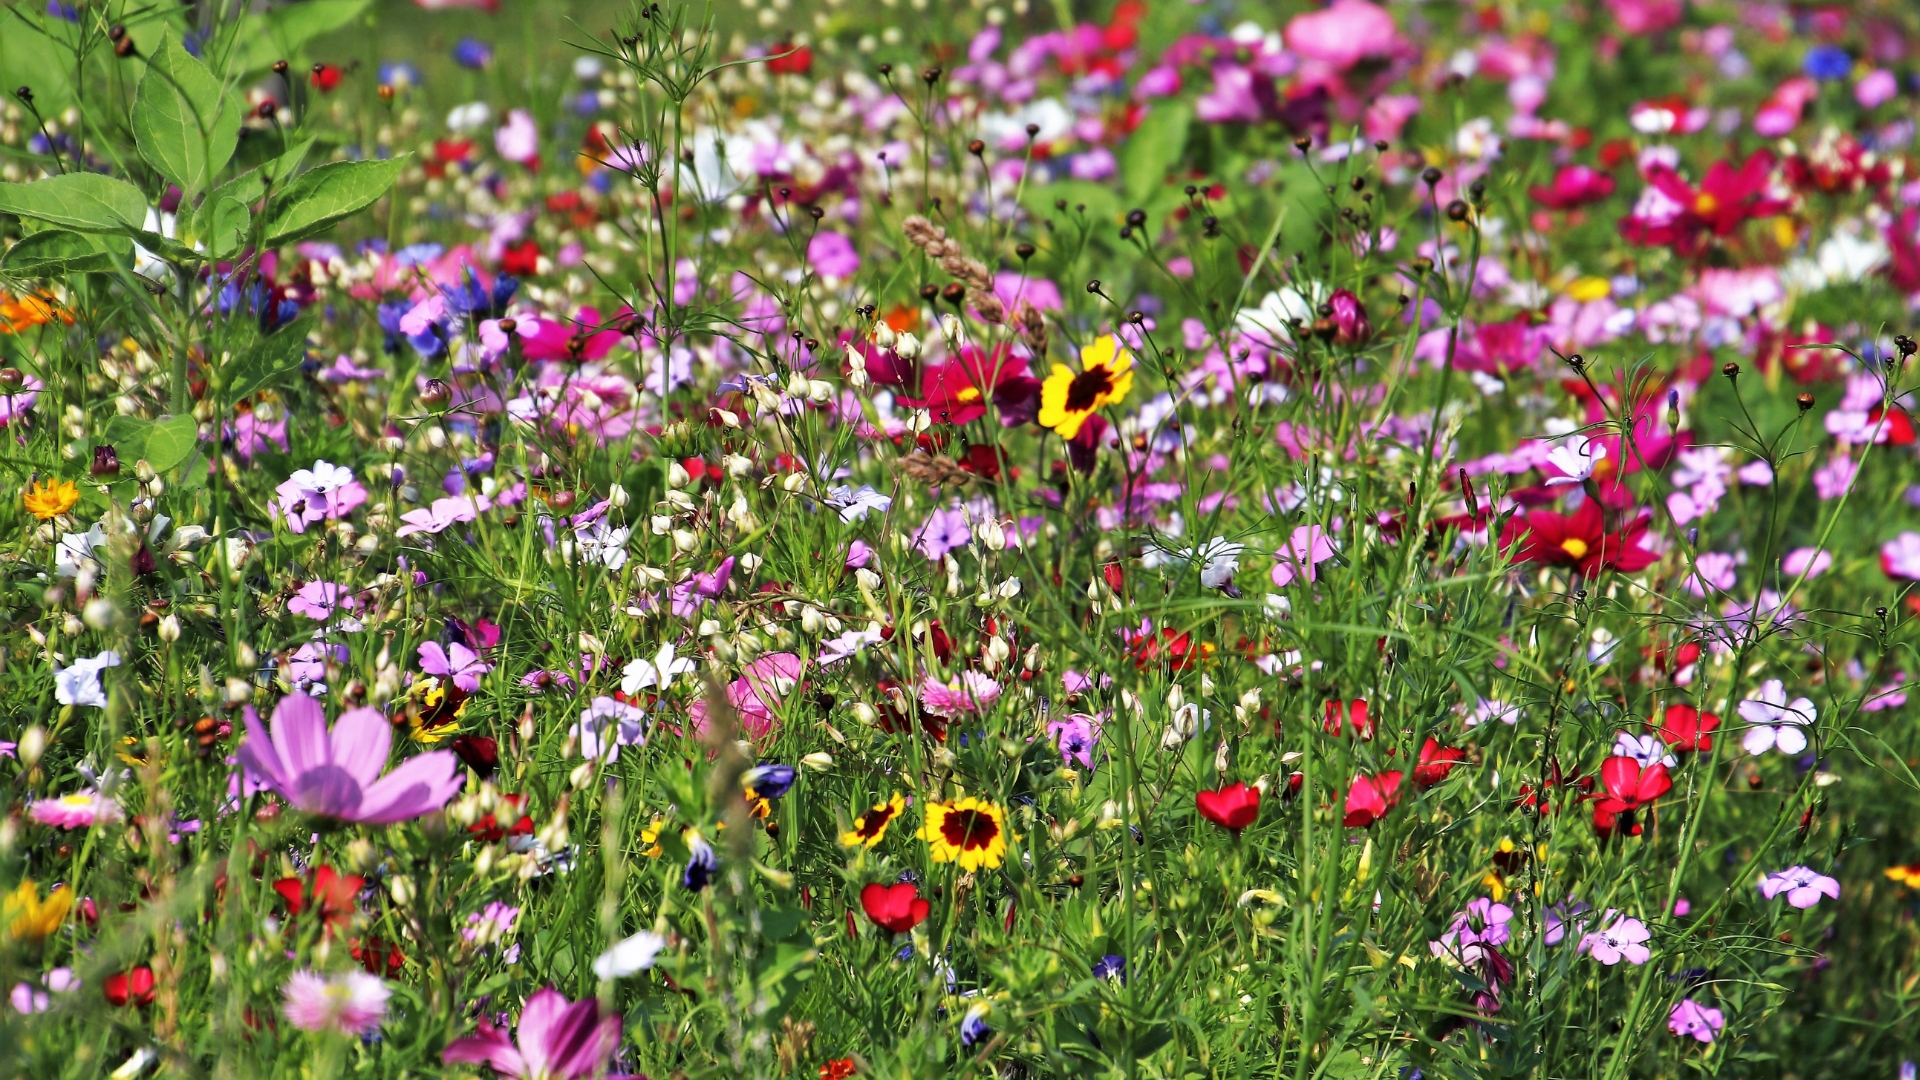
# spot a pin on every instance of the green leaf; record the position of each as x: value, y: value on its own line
x: 224, y: 224
x: 57, y: 251
x: 184, y: 122
x: 1153, y: 148
x: 128, y: 436
x: 280, y: 34
x: 31, y: 57
x: 337, y: 190
x: 172, y: 442
x: 87, y: 202
x: 268, y: 359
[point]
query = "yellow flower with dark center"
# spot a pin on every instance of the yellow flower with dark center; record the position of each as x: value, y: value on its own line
x: 871, y: 827
x: 29, y: 918
x: 1105, y: 377
x: 1906, y: 875
x: 442, y: 706
x: 969, y: 831
x: 48, y: 499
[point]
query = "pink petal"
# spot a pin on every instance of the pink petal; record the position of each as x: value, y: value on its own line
x: 361, y: 740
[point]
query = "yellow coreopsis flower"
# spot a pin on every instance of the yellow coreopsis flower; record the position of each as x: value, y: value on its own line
x: 29, y: 918
x: 871, y: 827
x: 48, y: 499
x: 971, y: 832
x: 1105, y: 377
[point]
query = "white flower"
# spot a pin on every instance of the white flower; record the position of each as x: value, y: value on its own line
x: 659, y: 671
x: 324, y: 478
x: 76, y: 551
x: 1219, y: 560
x: 1776, y: 721
x: 1648, y: 750
x: 602, y: 543
x: 857, y: 504
x: 80, y: 684
x: 473, y: 116
x: 1577, y: 458
x: 632, y: 955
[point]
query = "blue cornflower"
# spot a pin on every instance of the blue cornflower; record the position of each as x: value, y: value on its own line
x: 1110, y: 966
x: 472, y: 53
x: 399, y: 74
x: 702, y: 863
x: 1827, y: 62
x: 769, y: 781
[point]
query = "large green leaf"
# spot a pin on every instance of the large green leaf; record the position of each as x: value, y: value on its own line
x: 171, y: 442
x: 267, y: 360
x: 128, y: 436
x: 30, y: 58
x: 184, y: 122
x: 1153, y: 148
x: 54, y: 252
x: 281, y: 33
x: 316, y: 200
x: 87, y: 202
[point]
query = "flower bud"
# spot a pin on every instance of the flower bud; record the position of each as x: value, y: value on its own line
x: 617, y: 496
x: 818, y: 761
x: 677, y: 476
x: 33, y: 743
x: 907, y: 347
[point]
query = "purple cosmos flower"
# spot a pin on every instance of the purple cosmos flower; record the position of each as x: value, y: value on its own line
x: 1692, y: 1018
x: 1622, y: 938
x: 688, y: 597
x: 336, y: 773
x: 557, y: 1040
x: 1802, y: 886
x: 458, y: 663
x: 1076, y: 737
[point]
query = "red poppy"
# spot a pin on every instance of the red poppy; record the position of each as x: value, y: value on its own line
x: 1686, y: 728
x: 326, y: 77
x: 1233, y: 807
x: 1436, y: 762
x: 1355, y: 711
x: 332, y: 895
x: 790, y: 60
x: 895, y: 908
x: 521, y: 259
x: 1579, y: 540
x: 1370, y: 797
x: 134, y: 986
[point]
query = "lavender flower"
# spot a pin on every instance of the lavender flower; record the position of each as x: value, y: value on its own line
x: 336, y: 773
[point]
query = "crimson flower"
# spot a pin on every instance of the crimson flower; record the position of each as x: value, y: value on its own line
x: 1573, y: 186
x: 1673, y: 213
x: 521, y: 259
x: 1233, y: 807
x: 1686, y: 728
x: 894, y: 908
x: 957, y: 392
x: 1370, y: 797
x: 326, y: 77
x: 1628, y: 786
x: 791, y: 60
x: 331, y: 895
x: 134, y: 986
x: 1436, y: 762
x: 1354, y: 711
x: 1579, y: 540
x: 1349, y: 318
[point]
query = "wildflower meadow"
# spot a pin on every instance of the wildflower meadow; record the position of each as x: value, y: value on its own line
x: 560, y: 539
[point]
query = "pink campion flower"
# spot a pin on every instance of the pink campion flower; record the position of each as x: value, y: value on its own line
x: 336, y: 773
x: 76, y: 810
x: 1803, y: 887
x: 1809, y: 561
x: 1306, y: 549
x: 491, y: 923
x: 518, y: 140
x: 557, y: 1040
x: 945, y: 529
x: 442, y: 515
x: 755, y: 694
x: 457, y: 662
x: 1830, y: 481
x: 1692, y: 1018
x: 971, y: 692
x: 832, y: 254
x: 317, y: 600
x: 429, y: 313
x: 1344, y: 33
x: 325, y: 492
x: 1622, y: 938
x: 1076, y: 736
x: 1482, y: 925
x: 1900, y: 556
x: 349, y: 1002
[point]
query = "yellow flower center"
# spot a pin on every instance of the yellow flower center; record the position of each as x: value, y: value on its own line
x: 1574, y: 546
x: 1705, y: 204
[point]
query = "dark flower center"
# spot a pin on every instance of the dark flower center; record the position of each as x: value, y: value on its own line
x: 872, y: 822
x: 969, y: 830
x: 1086, y: 388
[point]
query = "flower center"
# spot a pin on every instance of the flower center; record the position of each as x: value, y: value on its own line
x: 969, y: 830
x: 873, y: 821
x: 1706, y: 204
x: 1574, y: 546
x: 1084, y: 392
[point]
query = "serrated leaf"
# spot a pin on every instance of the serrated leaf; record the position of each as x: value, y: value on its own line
x: 172, y: 442
x: 335, y: 191
x: 184, y: 124
x: 57, y: 251
x: 87, y: 202
x: 1154, y: 147
x: 268, y: 360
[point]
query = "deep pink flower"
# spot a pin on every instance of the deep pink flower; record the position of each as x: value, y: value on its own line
x: 832, y: 254
x: 972, y: 692
x: 1692, y: 1018
x: 1344, y: 33
x: 557, y: 1040
x: 755, y: 694
x: 336, y: 773
x: 1573, y: 186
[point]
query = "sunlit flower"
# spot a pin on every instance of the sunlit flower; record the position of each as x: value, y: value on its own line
x: 29, y: 918
x: 1068, y: 398
x: 78, y: 810
x: 969, y: 831
x: 871, y: 827
x: 48, y: 499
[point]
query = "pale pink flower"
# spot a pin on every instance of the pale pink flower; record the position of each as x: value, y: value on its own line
x: 1622, y: 938
x: 1802, y: 886
x: 1306, y: 549
x: 77, y: 810
x: 972, y: 692
x: 518, y: 139
x: 350, y: 1002
x: 1344, y: 33
x: 1900, y: 556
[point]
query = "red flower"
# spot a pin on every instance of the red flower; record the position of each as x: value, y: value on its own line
x: 1436, y: 762
x: 488, y: 829
x: 480, y: 752
x: 1675, y: 214
x: 1356, y: 711
x: 1579, y: 540
x: 521, y: 259
x: 134, y: 986
x: 1370, y: 797
x: 957, y: 392
x: 1628, y: 787
x: 1686, y: 728
x: 790, y: 60
x: 1573, y: 186
x: 1350, y: 325
x: 325, y: 77
x: 1233, y: 807
x: 333, y: 895
x: 838, y: 1069
x: 378, y: 957
x: 894, y: 908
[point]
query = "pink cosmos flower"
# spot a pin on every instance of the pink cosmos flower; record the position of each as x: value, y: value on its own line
x: 557, y: 1040
x: 832, y: 254
x: 755, y: 694
x: 251, y: 434
x: 336, y: 773
x: 1692, y: 1018
x: 1620, y: 939
x: 1900, y: 556
x: 1811, y: 561
x: 972, y: 692
x: 77, y: 810
x: 1803, y: 887
x: 1344, y: 33
x: 1876, y: 88
x: 444, y: 514
x: 350, y: 1002
x: 1305, y: 550
x: 458, y: 663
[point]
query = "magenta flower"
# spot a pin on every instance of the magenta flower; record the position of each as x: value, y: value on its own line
x: 1900, y: 556
x: 1802, y: 886
x: 1075, y: 736
x: 350, y: 1002
x: 318, y: 599
x: 1622, y: 938
x: 336, y: 773
x: 457, y: 663
x: 1344, y: 33
x: 1482, y: 925
x: 755, y: 694
x: 79, y: 810
x: 557, y: 1040
x: 972, y: 692
x: 1692, y: 1018
x: 688, y: 597
x: 1305, y: 550
x: 832, y: 254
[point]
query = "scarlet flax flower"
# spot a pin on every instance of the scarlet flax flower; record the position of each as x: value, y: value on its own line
x: 1370, y: 797
x: 894, y: 908
x: 1686, y: 728
x: 1233, y: 807
x: 1628, y: 785
x: 1436, y: 761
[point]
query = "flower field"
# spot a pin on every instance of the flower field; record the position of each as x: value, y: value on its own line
x: 876, y: 538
